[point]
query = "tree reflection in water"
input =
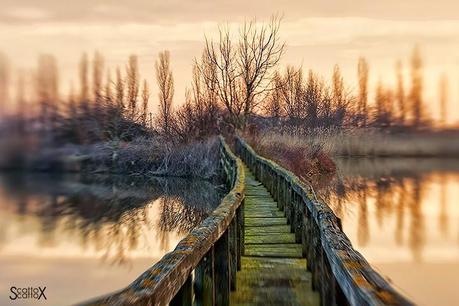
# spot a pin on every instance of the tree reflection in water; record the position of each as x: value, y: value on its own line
x: 107, y: 214
x: 408, y: 197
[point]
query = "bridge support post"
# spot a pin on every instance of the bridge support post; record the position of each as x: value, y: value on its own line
x: 204, y: 280
x: 185, y: 295
x: 222, y: 270
x: 328, y: 283
x: 233, y: 252
x: 280, y: 200
x: 240, y: 234
x: 298, y: 217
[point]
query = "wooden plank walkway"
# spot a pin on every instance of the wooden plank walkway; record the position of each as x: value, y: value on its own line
x: 273, y: 270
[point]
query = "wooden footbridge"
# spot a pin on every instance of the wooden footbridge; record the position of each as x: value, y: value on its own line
x: 270, y: 242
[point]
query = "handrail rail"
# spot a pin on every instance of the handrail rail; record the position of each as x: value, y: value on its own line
x: 340, y: 273
x: 170, y: 278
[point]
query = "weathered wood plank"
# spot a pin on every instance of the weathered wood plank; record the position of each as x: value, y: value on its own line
x: 267, y: 229
x: 260, y: 207
x: 270, y: 238
x: 264, y: 214
x: 249, y: 222
x: 260, y: 202
x: 274, y: 281
x: 273, y: 250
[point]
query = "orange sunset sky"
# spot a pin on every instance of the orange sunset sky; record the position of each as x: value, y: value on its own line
x: 318, y: 34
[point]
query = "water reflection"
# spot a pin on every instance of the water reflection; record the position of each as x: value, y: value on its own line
x: 96, y: 227
x: 402, y: 215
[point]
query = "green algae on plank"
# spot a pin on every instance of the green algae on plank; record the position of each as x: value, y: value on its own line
x: 270, y: 238
x: 274, y: 281
x: 274, y: 250
x: 264, y: 214
x: 264, y: 221
x: 267, y: 229
x: 260, y: 199
x: 261, y: 206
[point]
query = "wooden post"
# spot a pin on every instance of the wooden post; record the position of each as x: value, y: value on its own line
x: 185, y: 295
x: 204, y: 280
x: 287, y: 207
x: 305, y: 238
x: 299, y: 208
x: 316, y: 258
x: 280, y: 197
x: 328, y: 282
x: 240, y: 233
x: 288, y: 204
x: 233, y: 252
x: 222, y: 270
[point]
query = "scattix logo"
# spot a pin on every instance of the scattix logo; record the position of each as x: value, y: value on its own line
x: 24, y: 293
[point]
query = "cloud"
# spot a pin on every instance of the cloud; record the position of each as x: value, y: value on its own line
x: 26, y: 14
x: 173, y: 11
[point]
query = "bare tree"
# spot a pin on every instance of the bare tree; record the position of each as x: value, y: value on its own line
x: 119, y: 88
x: 98, y: 67
x: 339, y: 96
x: 379, y: 103
x: 443, y: 88
x: 186, y: 120
x: 244, y: 70
x: 259, y: 51
x: 205, y: 74
x: 47, y: 88
x: 416, y: 87
x: 273, y: 105
x: 4, y: 81
x: 292, y: 89
x: 389, y: 106
x: 84, y: 83
x: 145, y: 98
x: 327, y: 109
x: 384, y: 101
x: 222, y: 56
x: 108, y: 88
x: 362, y: 71
x: 313, y: 95
x: 165, y: 81
x: 400, y: 94
x: 21, y: 103
x: 199, y: 104
x: 132, y: 75
x: 72, y: 108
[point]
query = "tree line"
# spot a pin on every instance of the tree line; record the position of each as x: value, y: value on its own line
x: 236, y: 85
x: 313, y: 102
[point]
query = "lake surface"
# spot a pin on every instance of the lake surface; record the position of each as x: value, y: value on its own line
x: 403, y: 216
x: 83, y: 237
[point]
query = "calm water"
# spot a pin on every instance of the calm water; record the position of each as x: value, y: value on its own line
x: 403, y: 216
x: 82, y: 238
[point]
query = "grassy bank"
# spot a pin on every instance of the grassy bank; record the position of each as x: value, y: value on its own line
x: 308, y: 161
x: 141, y: 156
x: 369, y: 142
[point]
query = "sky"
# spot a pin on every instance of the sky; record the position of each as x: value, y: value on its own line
x: 318, y: 35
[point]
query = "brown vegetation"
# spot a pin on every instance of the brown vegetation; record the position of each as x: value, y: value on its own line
x: 366, y: 142
x: 236, y: 85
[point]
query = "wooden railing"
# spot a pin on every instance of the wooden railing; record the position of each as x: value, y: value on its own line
x: 340, y: 274
x: 202, y: 268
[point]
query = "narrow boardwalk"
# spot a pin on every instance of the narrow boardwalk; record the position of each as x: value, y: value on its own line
x: 273, y: 270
